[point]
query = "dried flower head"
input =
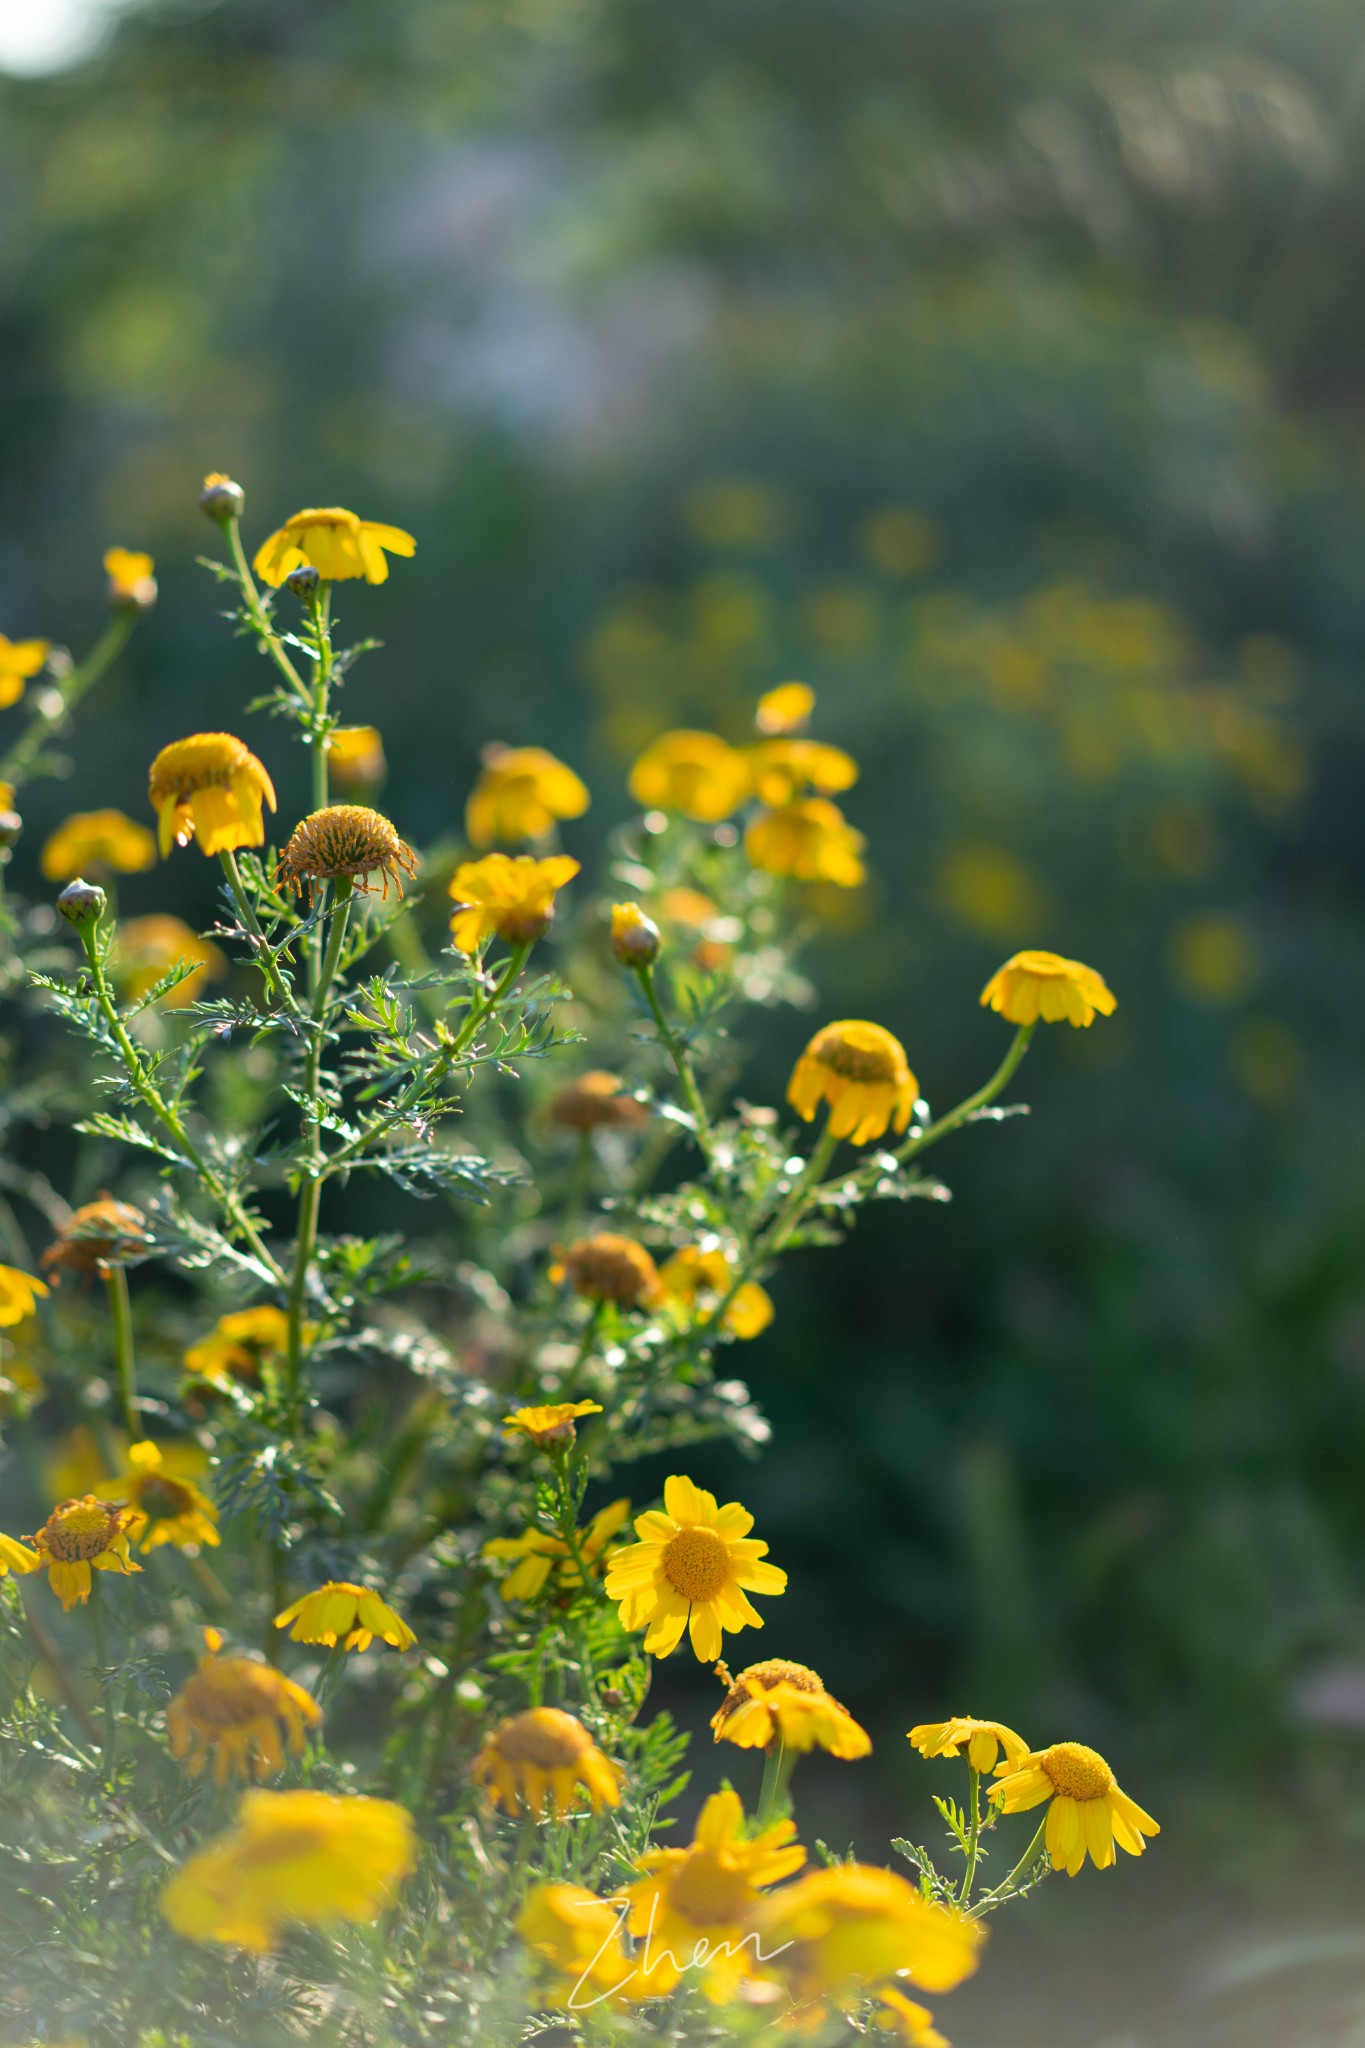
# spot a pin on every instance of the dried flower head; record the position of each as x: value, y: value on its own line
x: 81, y: 1535
x: 608, y: 1267
x: 777, y: 1701
x: 97, y: 1236
x: 596, y: 1101
x: 345, y: 842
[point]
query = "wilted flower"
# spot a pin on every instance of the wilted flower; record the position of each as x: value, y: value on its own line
x: 545, y: 1757
x: 345, y: 842
x: 608, y: 1267
x: 777, y: 1701
x: 80, y: 1536
x: 240, y: 1712
x: 97, y: 1236
x: 210, y: 788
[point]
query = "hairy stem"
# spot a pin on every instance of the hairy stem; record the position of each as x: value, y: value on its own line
x: 265, y: 959
x: 677, y: 1052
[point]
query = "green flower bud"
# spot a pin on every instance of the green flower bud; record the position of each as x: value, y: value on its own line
x: 82, y: 903
x: 221, y: 499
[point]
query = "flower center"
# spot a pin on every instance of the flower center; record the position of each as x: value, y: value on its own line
x: 230, y: 1694
x: 163, y: 1499
x: 773, y: 1671
x: 696, y: 1564
x: 862, y: 1058
x: 708, y: 1894
x: 80, y: 1530
x: 545, y: 1737
x: 1077, y: 1772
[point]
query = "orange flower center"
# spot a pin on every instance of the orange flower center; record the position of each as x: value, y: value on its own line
x: 1077, y: 1772
x: 696, y: 1564
x: 857, y: 1059
x: 231, y: 1694
x: 545, y: 1737
x: 773, y: 1671
x: 80, y: 1530
x: 708, y: 1894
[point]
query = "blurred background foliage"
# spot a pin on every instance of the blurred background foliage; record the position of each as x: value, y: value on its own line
x: 995, y: 366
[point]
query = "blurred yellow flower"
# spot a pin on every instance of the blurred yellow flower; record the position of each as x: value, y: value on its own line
x: 1088, y: 1813
x: 131, y: 582
x: 166, y: 1505
x: 511, y: 895
x: 355, y: 757
x: 19, y: 1292
x: 1031, y: 985
x: 240, y: 1712
x: 78, y: 1536
x: 840, y: 615
x: 982, y: 1740
x: 240, y: 1342
x: 914, y: 2023
x: 785, y: 709
x: 1214, y: 958
x: 535, y: 1554
x: 990, y: 890
x: 861, y: 1071
x: 17, y: 1557
x: 690, y: 1909
x: 552, y: 1424
x: 576, y: 1939
x: 19, y: 660
x: 98, y: 839
x: 339, y: 546
x: 522, y: 793
x: 597, y: 1100
x: 810, y: 840
x: 692, y: 1569
x: 697, y: 773
x: 694, y: 1280
x: 294, y: 1858
x: 545, y: 1757
x: 778, y: 1701
x: 608, y: 1267
x: 784, y: 769
x: 146, y: 948
x: 209, y: 788
x: 836, y: 1933
x: 351, y: 1615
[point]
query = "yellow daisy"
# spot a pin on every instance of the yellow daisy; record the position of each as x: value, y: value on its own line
x: 784, y: 769
x: 552, y: 1424
x: 835, y: 1933
x: 982, y: 1740
x: 98, y: 839
x: 694, y: 1280
x: 240, y: 1712
x: 860, y: 1070
x: 522, y: 793
x: 608, y: 1267
x: 697, y: 773
x: 132, y: 586
x: 355, y: 756
x: 1088, y: 1814
x: 345, y: 842
x: 345, y: 1613
x: 690, y: 1910
x: 777, y: 1701
x: 576, y: 1940
x: 339, y: 546
x: 810, y: 840
x: 692, y: 1569
x: 80, y: 1536
x: 209, y: 788
x: 535, y: 1554
x: 545, y: 1757
x: 1033, y: 985
x: 146, y: 948
x: 294, y: 1858
x: 19, y: 1292
x: 241, y: 1342
x: 166, y: 1505
x: 19, y: 661
x: 785, y: 709
x: 511, y: 895
x: 597, y: 1101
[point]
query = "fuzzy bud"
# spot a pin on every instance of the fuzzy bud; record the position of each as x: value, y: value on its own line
x: 303, y: 581
x: 634, y: 937
x: 82, y: 903
x: 221, y: 499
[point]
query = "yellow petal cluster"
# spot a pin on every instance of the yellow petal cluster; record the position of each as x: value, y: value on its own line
x: 19, y: 660
x: 510, y: 895
x: 694, y: 1280
x: 693, y: 1568
x: 165, y: 1504
x: 1035, y: 984
x: 809, y: 840
x: 19, y: 1292
x: 209, y: 788
x: 861, y: 1071
x: 778, y: 1701
x: 697, y: 773
x: 78, y: 1537
x: 575, y: 1938
x: 355, y: 756
x: 545, y: 1758
x: 785, y: 709
x: 1089, y: 1814
x: 536, y: 1554
x: 131, y: 582
x: 551, y: 1424
x: 98, y: 839
x: 241, y: 1714
x: 835, y: 1933
x: 784, y: 769
x: 240, y: 1342
x: 340, y: 546
x: 521, y: 794
x: 341, y: 1612
x: 982, y: 1740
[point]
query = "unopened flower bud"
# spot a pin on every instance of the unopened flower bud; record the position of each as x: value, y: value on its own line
x: 634, y: 937
x: 221, y: 499
x: 303, y: 581
x: 132, y: 586
x: 11, y: 825
x: 81, y: 903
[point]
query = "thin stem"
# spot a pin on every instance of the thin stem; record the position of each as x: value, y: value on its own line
x: 46, y: 722
x: 973, y: 1839
x: 922, y: 1140
x: 771, y: 1241
x: 773, y: 1799
x: 1005, y: 1889
x: 677, y: 1052
x: 125, y: 1363
x: 265, y: 959
x: 310, y: 1194
x: 258, y: 615
x: 320, y: 605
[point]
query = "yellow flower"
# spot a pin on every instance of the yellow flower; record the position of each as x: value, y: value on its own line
x: 692, y: 1569
x: 19, y: 1291
x: 690, y: 1909
x: 97, y: 1236
x: 146, y: 948
x: 355, y: 756
x: 294, y: 1858
x: 242, y: 1713
x: 1088, y: 1814
x: 337, y: 544
x: 522, y: 793
x: 608, y: 1267
x: 634, y: 937
x: 694, y: 1280
x: 552, y: 1424
x: 777, y: 1701
x: 131, y: 582
x: 576, y: 1938
x: 340, y: 1610
x: 511, y: 895
x: 536, y: 1553
x: 80, y: 1535
x: 209, y: 788
x: 905, y: 2016
x: 98, y: 839
x: 860, y: 1070
x: 596, y: 1101
x: 810, y: 840
x: 784, y: 769
x: 697, y: 773
x: 241, y: 1342
x: 982, y: 1740
x: 345, y: 842
x: 1033, y: 985
x: 167, y: 1507
x: 17, y: 1557
x: 19, y: 659
x: 785, y: 709
x: 835, y: 1933
x: 545, y: 1757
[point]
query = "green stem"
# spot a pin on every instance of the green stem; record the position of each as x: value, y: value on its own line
x: 677, y: 1052
x: 922, y: 1140
x: 265, y: 959
x: 310, y: 1194
x: 973, y: 1840
x: 320, y: 605
x: 773, y: 1799
x: 771, y: 1241
x: 168, y: 1116
x: 1005, y: 1889
x: 46, y: 723
x: 125, y: 1363
x: 256, y: 612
